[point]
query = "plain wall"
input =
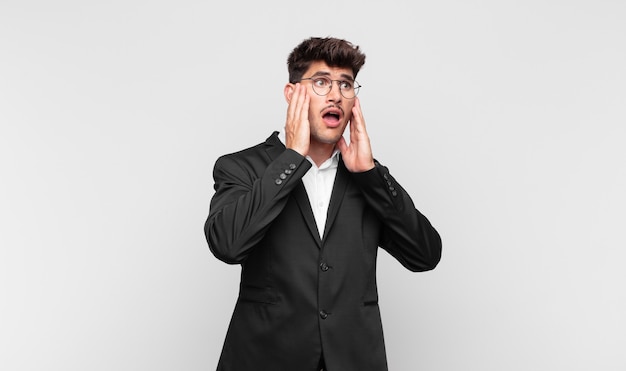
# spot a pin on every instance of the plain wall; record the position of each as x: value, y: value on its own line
x: 505, y: 120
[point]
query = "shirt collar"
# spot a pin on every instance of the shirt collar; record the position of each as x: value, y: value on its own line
x: 331, y: 163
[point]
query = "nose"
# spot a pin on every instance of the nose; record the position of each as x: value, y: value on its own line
x: 334, y: 95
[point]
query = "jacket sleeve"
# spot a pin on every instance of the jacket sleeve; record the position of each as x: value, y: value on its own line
x: 407, y: 234
x: 248, y: 196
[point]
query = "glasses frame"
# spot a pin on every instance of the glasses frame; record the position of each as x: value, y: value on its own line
x: 356, y: 86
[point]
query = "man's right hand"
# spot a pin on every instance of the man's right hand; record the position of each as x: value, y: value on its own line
x: 297, y: 129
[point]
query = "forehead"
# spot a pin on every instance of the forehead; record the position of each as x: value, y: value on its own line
x: 320, y: 68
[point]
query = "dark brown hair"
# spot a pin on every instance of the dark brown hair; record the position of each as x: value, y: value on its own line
x: 335, y: 52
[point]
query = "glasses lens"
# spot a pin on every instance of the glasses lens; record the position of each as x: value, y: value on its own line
x: 321, y: 86
x: 350, y: 91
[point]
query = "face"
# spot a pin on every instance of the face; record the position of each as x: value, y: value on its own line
x: 328, y: 114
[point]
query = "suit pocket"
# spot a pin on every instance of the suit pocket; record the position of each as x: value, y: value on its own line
x: 367, y: 303
x: 256, y: 294
x: 371, y: 297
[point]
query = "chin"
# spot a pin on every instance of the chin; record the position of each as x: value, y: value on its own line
x: 328, y: 135
x: 327, y: 139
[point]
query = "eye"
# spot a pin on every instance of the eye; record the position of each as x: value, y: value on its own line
x: 321, y: 82
x: 345, y: 85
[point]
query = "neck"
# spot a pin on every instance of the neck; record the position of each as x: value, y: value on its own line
x: 321, y: 152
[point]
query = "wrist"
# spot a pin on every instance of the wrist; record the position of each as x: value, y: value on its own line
x: 300, y: 150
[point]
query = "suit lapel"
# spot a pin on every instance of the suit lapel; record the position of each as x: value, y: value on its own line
x: 301, y: 197
x: 339, y: 188
x: 274, y: 148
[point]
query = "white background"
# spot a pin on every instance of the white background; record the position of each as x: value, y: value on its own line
x: 504, y: 119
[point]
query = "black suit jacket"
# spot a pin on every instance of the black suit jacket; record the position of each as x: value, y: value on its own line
x: 302, y: 296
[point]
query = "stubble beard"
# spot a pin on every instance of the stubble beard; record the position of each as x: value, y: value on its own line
x: 326, y: 135
x: 326, y: 138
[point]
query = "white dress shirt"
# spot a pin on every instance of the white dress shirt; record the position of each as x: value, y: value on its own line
x: 318, y: 182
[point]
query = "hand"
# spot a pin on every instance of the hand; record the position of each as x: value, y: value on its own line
x: 358, y: 155
x: 297, y: 129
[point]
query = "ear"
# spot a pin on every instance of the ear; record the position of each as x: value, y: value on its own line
x: 289, y: 88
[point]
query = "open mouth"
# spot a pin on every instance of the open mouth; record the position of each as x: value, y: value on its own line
x: 332, y: 116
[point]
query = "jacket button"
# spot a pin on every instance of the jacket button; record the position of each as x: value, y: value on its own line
x: 323, y: 314
x: 292, y: 166
x: 278, y: 181
x: 324, y: 267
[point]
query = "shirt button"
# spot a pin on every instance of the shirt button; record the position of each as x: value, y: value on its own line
x: 324, y: 267
x: 323, y: 314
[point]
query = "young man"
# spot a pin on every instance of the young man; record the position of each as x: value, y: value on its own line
x: 304, y: 219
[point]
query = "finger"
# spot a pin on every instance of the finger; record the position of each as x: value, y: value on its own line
x: 291, y: 108
x: 304, y: 110
x: 356, y: 126
x: 357, y: 116
x: 300, y: 105
x: 353, y: 127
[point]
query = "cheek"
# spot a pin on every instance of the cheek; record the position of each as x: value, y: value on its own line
x: 315, y: 107
x: 349, y: 113
x: 349, y: 110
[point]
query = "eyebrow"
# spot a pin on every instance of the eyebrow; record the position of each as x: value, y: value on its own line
x: 326, y: 74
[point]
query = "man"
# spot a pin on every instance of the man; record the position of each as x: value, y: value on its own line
x: 305, y: 219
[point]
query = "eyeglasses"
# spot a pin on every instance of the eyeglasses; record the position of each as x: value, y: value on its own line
x: 323, y: 85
